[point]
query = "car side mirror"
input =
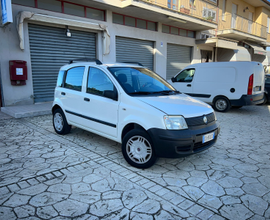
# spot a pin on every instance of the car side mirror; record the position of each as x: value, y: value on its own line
x: 111, y: 94
x: 173, y: 79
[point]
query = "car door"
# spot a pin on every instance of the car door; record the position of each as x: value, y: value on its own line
x: 184, y: 81
x: 70, y: 93
x: 100, y: 113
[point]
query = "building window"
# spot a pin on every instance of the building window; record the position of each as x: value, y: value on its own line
x: 209, y: 14
x: 64, y: 7
x: 134, y: 22
x: 177, y: 31
x: 30, y: 3
x: 223, y: 10
x: 50, y: 5
x: 73, y: 9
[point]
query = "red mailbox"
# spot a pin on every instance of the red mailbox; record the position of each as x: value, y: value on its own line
x: 18, y: 72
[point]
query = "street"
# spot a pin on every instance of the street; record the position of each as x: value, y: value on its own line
x: 84, y: 176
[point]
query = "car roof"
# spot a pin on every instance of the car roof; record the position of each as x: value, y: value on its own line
x: 75, y: 64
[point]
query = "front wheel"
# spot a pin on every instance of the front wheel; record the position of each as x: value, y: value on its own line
x: 60, y: 123
x: 137, y: 149
x: 221, y: 104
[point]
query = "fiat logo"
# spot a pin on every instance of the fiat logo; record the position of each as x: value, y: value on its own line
x: 205, y: 119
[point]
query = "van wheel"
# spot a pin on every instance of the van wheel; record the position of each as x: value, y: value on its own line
x: 221, y: 104
x: 60, y: 124
x: 137, y: 149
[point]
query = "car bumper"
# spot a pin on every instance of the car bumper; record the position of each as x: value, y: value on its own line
x: 172, y: 143
x: 248, y: 100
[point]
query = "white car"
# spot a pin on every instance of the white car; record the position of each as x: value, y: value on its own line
x: 132, y: 105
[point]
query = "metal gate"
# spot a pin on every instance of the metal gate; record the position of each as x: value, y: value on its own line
x: 50, y: 49
x: 178, y: 57
x: 135, y: 50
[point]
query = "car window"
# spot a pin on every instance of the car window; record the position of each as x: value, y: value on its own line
x: 136, y: 80
x: 185, y: 76
x: 74, y: 78
x: 60, y: 78
x: 98, y: 82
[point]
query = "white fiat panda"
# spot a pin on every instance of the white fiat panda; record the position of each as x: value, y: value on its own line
x: 132, y: 105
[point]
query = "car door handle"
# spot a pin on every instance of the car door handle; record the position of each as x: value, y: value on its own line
x: 87, y: 99
x: 188, y: 85
x: 63, y: 93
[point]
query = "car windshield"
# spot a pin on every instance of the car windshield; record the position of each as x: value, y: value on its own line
x: 141, y: 81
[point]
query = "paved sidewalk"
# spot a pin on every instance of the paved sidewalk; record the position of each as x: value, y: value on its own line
x: 84, y: 176
x: 22, y: 111
x: 4, y: 116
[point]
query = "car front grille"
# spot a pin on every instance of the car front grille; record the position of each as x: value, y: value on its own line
x: 196, y: 121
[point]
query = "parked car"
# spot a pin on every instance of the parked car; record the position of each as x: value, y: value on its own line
x: 223, y: 84
x: 267, y: 89
x: 132, y: 105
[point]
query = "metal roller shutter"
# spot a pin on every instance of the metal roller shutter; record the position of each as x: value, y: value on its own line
x: 50, y: 49
x: 178, y: 57
x: 135, y: 50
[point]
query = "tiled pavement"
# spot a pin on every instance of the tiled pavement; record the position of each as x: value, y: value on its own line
x: 84, y: 176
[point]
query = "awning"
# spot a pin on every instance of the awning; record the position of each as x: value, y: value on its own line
x: 241, y: 54
x: 257, y: 48
x: 217, y: 42
x: 21, y: 16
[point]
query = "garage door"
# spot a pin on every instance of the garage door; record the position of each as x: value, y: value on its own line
x: 178, y: 57
x: 135, y: 50
x: 50, y: 49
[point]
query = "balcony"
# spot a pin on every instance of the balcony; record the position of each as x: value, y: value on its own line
x: 240, y: 28
x: 201, y: 9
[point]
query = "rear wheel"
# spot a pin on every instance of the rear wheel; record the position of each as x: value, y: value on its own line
x: 137, y: 149
x: 60, y: 123
x: 221, y: 104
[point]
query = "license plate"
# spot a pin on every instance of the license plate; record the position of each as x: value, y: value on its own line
x: 208, y: 137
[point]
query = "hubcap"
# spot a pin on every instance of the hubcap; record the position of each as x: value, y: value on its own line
x: 58, y: 121
x: 138, y: 149
x: 221, y: 104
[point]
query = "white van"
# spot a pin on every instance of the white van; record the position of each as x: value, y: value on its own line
x: 223, y: 84
x: 132, y: 105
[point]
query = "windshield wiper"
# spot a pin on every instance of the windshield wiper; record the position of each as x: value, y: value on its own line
x: 167, y: 92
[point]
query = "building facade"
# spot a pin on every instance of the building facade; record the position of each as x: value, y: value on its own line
x: 163, y: 35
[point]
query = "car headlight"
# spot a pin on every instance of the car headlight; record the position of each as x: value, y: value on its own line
x: 175, y: 122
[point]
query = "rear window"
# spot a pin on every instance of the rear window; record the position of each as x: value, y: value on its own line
x: 74, y: 78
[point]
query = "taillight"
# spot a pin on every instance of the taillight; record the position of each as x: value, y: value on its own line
x: 250, y: 85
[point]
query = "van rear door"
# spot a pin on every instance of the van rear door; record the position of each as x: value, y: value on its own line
x: 258, y: 79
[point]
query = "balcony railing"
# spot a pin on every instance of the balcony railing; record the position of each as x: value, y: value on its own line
x: 200, y: 9
x: 236, y: 22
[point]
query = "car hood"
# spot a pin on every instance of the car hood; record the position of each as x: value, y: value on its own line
x: 180, y: 104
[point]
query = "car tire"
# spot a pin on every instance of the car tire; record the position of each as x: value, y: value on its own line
x: 137, y: 149
x: 60, y: 124
x: 221, y: 104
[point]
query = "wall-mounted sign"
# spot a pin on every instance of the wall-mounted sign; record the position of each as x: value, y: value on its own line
x: 6, y: 12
